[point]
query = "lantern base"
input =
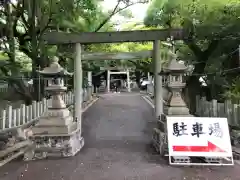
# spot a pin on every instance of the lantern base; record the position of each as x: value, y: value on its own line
x: 180, y: 110
x: 48, y: 130
x: 177, y: 111
x: 58, y: 145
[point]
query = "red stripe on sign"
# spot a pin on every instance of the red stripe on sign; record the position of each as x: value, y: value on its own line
x: 209, y: 148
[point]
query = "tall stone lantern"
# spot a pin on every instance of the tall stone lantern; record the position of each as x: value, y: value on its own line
x: 56, y: 133
x: 174, y: 106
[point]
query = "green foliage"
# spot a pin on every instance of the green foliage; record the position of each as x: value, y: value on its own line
x: 52, y: 51
x: 24, y: 62
x: 3, y: 56
x: 23, y: 23
x: 213, y: 27
x: 234, y: 90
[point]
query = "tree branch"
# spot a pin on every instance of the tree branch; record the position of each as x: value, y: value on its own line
x: 48, y: 22
x: 19, y: 12
x: 114, y: 12
x: 4, y: 70
x: 3, y: 12
x: 211, y: 48
x: 26, y: 51
x: 46, y: 27
x: 193, y: 46
x: 24, y: 21
x: 108, y: 18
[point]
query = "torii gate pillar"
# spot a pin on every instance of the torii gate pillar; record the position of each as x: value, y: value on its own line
x: 128, y: 81
x: 78, y: 86
x: 108, y: 81
x: 89, y: 73
x: 158, y: 102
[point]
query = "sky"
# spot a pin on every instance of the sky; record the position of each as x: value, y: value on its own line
x: 138, y: 10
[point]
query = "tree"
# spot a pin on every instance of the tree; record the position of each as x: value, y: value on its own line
x: 212, y: 26
x: 30, y: 19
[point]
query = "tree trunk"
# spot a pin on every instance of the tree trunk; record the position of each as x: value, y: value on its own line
x: 35, y: 63
x: 16, y: 84
x: 191, y: 91
x: 193, y: 86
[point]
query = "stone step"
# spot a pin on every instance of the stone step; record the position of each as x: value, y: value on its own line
x: 13, y: 152
x: 13, y: 148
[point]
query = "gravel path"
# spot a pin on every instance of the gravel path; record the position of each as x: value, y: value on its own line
x: 117, y: 131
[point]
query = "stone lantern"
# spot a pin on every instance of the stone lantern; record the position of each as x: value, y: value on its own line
x: 56, y: 132
x: 176, y: 105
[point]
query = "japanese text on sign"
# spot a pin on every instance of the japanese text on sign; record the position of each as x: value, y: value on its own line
x: 180, y: 129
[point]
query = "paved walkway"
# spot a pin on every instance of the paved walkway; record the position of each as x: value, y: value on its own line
x: 117, y: 131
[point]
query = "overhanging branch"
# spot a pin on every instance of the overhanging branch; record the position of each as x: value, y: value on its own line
x: 114, y: 12
x: 108, y: 18
x: 193, y: 46
x: 211, y: 48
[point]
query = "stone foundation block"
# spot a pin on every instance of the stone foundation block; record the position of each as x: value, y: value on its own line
x: 54, y: 146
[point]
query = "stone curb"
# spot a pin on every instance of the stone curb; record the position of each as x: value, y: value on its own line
x: 89, y: 104
x: 148, y: 100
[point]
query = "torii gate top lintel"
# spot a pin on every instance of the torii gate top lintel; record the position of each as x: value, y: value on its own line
x: 112, y: 37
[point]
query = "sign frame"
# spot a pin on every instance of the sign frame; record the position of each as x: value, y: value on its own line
x: 199, y: 148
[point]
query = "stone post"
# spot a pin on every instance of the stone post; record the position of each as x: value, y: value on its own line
x: 149, y: 86
x: 108, y: 80
x: 90, y: 78
x: 128, y: 81
x: 89, y: 85
x: 148, y: 76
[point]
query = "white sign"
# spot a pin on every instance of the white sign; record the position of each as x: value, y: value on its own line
x: 198, y: 136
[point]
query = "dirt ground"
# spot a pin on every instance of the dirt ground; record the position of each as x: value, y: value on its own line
x: 117, y: 132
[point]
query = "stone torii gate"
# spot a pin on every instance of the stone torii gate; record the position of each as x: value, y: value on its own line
x: 112, y: 37
x: 109, y: 73
x: 116, y: 56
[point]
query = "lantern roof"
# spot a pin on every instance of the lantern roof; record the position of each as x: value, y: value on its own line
x: 55, y: 69
x: 174, y: 65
